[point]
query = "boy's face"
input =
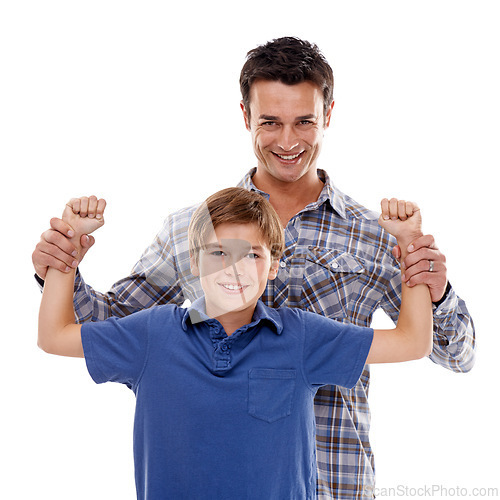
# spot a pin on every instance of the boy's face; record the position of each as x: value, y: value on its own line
x: 234, y: 268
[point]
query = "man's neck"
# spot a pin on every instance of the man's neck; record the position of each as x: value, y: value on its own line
x: 289, y: 198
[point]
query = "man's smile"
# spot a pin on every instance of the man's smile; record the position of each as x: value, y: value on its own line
x: 288, y: 157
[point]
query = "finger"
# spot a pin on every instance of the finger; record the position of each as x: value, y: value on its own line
x: 425, y: 254
x: 426, y: 241
x: 61, y: 227
x: 56, y: 239
x: 84, y: 206
x: 74, y: 204
x: 410, y: 208
x: 402, y: 210
x: 423, y: 266
x: 43, y: 262
x: 393, y: 208
x: 101, y: 205
x: 396, y: 252
x: 86, y: 241
x: 92, y: 208
x: 384, y: 206
x: 46, y: 254
x: 436, y: 283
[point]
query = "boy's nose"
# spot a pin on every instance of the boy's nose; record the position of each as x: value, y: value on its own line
x: 232, y: 268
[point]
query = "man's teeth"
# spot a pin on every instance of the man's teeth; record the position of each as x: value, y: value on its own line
x: 232, y: 287
x: 288, y: 157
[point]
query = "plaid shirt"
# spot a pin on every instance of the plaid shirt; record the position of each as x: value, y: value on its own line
x: 337, y: 263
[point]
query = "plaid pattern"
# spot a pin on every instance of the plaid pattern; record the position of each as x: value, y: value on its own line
x: 337, y: 263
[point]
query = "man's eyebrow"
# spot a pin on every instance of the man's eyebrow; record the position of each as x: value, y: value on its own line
x: 298, y: 118
x: 306, y: 117
x: 268, y: 117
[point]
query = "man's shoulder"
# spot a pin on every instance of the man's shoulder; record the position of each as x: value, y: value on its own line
x: 353, y: 209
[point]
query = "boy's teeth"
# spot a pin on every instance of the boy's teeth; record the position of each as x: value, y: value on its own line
x: 233, y: 287
x: 288, y: 157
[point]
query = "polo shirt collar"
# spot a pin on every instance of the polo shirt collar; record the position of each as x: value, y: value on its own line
x: 329, y: 193
x: 196, y: 313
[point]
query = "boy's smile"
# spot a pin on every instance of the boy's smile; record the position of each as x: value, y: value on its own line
x: 234, y: 268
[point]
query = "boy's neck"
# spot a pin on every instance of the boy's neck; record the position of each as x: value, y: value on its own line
x: 233, y: 320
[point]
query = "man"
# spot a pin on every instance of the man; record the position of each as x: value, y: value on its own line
x: 337, y: 261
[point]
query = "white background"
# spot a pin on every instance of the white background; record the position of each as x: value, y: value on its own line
x: 138, y: 102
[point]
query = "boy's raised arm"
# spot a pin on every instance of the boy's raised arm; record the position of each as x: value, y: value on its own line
x: 57, y: 331
x: 412, y: 337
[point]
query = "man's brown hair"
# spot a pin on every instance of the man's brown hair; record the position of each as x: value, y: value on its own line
x: 288, y: 60
x: 236, y: 206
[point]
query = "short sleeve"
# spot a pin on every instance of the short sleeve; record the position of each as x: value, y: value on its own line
x: 334, y: 353
x: 116, y: 349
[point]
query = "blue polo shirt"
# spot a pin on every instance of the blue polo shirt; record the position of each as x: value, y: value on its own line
x: 225, y: 417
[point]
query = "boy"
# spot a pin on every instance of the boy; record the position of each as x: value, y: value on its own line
x: 225, y: 388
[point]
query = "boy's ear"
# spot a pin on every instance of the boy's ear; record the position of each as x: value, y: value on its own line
x: 273, y: 272
x: 195, y: 270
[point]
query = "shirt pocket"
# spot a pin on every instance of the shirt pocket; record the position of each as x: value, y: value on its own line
x: 332, y: 279
x: 270, y: 393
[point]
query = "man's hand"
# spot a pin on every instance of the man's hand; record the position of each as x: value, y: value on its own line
x: 417, y: 266
x: 55, y: 248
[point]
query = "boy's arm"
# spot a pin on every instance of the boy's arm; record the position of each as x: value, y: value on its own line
x: 412, y: 337
x: 57, y: 331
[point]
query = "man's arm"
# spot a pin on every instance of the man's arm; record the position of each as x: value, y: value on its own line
x: 57, y: 331
x: 454, y: 335
x: 412, y: 337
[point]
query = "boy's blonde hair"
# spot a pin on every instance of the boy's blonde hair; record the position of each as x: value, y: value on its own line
x: 236, y: 206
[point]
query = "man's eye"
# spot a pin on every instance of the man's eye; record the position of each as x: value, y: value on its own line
x: 268, y: 124
x: 306, y: 122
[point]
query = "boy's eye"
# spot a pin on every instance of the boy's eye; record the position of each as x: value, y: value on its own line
x: 253, y: 256
x: 217, y: 253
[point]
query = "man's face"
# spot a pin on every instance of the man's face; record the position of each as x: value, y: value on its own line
x: 234, y: 268
x: 287, y: 123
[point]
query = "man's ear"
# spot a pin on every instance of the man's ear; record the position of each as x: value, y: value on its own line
x: 245, y: 115
x: 195, y: 270
x: 273, y: 272
x: 329, y: 115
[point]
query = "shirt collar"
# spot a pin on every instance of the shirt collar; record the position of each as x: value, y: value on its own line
x: 196, y: 313
x: 329, y: 193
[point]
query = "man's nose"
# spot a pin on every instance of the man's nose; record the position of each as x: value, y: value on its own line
x: 288, y: 139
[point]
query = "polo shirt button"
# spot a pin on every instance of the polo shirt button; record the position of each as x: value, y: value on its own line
x: 282, y: 264
x: 335, y: 265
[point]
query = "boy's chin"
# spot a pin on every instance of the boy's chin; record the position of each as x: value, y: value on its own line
x: 233, y: 305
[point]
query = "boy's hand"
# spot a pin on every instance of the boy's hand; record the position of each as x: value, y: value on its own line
x: 57, y: 248
x: 81, y: 219
x: 402, y: 219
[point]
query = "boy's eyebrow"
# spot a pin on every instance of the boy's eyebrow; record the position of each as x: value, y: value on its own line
x: 218, y: 246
